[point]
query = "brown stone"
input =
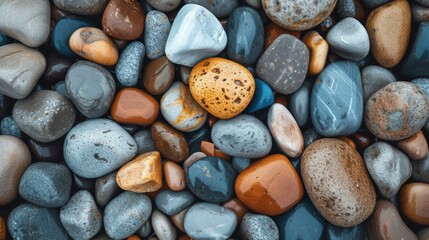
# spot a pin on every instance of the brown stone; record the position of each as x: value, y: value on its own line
x: 416, y: 146
x: 389, y: 28
x: 318, y: 51
x: 360, y: 12
x: 158, y: 75
x: 184, y: 74
x: 174, y: 176
x: 193, y: 158
x: 179, y: 219
x: 169, y: 142
x: 272, y: 31
x: 362, y: 140
x: 3, y: 230
x: 414, y: 202
x: 237, y: 207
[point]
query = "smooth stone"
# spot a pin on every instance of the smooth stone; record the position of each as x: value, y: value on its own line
x: 105, y: 188
x: 415, y: 147
x: 91, y: 88
x: 144, y: 141
x: 8, y: 126
x: 298, y: 15
x: 242, y: 136
x: 126, y: 214
x: 258, y: 227
x: 130, y: 63
x: 209, y: 221
x: 44, y: 115
x: 180, y: 109
x: 349, y: 39
x: 374, y: 78
x: 319, y: 48
x: 262, y: 98
x: 184, y: 74
x: 386, y: 223
x: 56, y: 67
x: 220, y: 8
x: 46, y: 184
x: 240, y: 164
x: 83, y: 183
x: 157, y: 28
x: 179, y: 219
x: 146, y: 230
x: 301, y: 222
x: 96, y: 147
x: 171, y: 202
x: 158, y: 75
x: 299, y: 103
x: 49, y: 152
x: 81, y: 217
x: 285, y: 73
x: 374, y: 3
x: 82, y: 7
x: 389, y: 28
x: 211, y: 179
x: 194, y: 139
x: 388, y: 167
x: 14, y: 160
x: 245, y: 32
x: 413, y: 202
x: 421, y: 170
x: 175, y: 176
x: 416, y: 61
x: 310, y: 135
x: 164, y: 5
x: 254, y: 3
x: 29, y: 221
x: 336, y: 106
x: 397, y: 111
x: 162, y: 226
x: 27, y: 23
x: 419, y: 13
x: 20, y: 69
x: 169, y: 142
x: 339, y: 233
x: 194, y: 157
x: 61, y: 88
x: 183, y: 47
x: 337, y: 182
x: 423, y: 84
x: 345, y: 8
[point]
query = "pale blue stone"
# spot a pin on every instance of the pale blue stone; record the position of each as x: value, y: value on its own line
x: 299, y: 103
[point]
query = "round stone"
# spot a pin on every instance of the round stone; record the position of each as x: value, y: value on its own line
x: 82, y: 7
x: 175, y: 176
x: 258, y: 227
x: 158, y: 75
x: 171, y: 203
x: 169, y: 142
x: 157, y: 28
x: 374, y: 78
x: 130, y: 63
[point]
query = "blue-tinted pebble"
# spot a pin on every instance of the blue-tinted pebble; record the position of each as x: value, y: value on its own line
x: 262, y: 98
x: 157, y: 28
x: 220, y: 8
x: 194, y: 139
x: 61, y: 88
x: 299, y: 103
x: 3, y: 39
x: 130, y: 64
x: 310, y: 135
x: 8, y: 127
x: 415, y: 64
x: 171, y: 202
x: 357, y: 232
x: 239, y: 163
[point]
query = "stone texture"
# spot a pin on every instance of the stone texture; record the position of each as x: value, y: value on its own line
x: 258, y: 227
x: 220, y: 8
x: 415, y: 147
x: 82, y: 7
x: 262, y: 98
x: 413, y: 202
x: 423, y: 84
x: 157, y: 28
x: 8, y: 127
x: 374, y: 78
x: 130, y: 63
x: 144, y: 141
x: 337, y: 233
x: 105, y: 188
x: 169, y: 142
x: 345, y: 8
x: 318, y: 48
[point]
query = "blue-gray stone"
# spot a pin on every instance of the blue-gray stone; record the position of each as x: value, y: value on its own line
x: 299, y: 103
x: 157, y: 28
x: 421, y: 170
x: 220, y: 8
x: 336, y: 106
x: 146, y: 230
x: 171, y: 202
x: 60, y: 87
x: 374, y: 3
x: 345, y: 8
x: 46, y: 184
x: 375, y: 78
x: 245, y: 34
x: 240, y: 164
x: 3, y: 39
x: 357, y: 232
x: 130, y: 64
x: 415, y: 63
x: 258, y: 227
x: 262, y: 98
x: 105, y: 188
x: 310, y: 135
x: 194, y: 139
x: 83, y: 183
x: 8, y: 127
x: 423, y: 84
x: 144, y: 141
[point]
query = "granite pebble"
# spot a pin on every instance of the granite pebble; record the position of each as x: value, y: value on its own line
x: 130, y: 64
x: 157, y: 29
x: 258, y: 227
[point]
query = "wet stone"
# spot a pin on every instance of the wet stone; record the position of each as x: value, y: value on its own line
x: 105, y: 188
x: 144, y: 141
x: 171, y: 203
x: 162, y: 226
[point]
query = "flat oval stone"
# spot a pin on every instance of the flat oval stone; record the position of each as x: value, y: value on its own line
x: 222, y: 87
x: 374, y: 78
x: 144, y: 141
x: 413, y: 202
x: 44, y: 115
x: 415, y: 63
x: 105, y: 188
x: 262, y: 98
x: 157, y: 28
x: 96, y: 147
x: 162, y: 226
x: 90, y: 87
x: 171, y: 203
x: 133, y: 210
x: 46, y: 184
x: 82, y: 7
x: 193, y: 20
x: 130, y: 63
x: 242, y: 136
x: 415, y: 147
x: 338, y: 233
x: 211, y: 179
x: 169, y: 142
x: 175, y: 176
x: 255, y: 226
x: 298, y: 15
x: 164, y: 5
x: 27, y: 23
x: 209, y: 221
x: 220, y: 8
x: 158, y: 75
x: 20, y: 69
x: 284, y: 72
x: 397, y: 111
x: 337, y: 182
x: 299, y: 103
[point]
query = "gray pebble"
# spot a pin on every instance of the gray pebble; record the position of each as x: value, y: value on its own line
x: 106, y: 188
x: 144, y: 141
x: 220, y: 8
x: 171, y: 202
x: 82, y: 7
x: 421, y: 170
x: 163, y: 227
x: 374, y: 78
x: 130, y: 64
x: 164, y: 5
x: 299, y: 104
x: 157, y: 28
x: 60, y: 87
x: 146, y: 230
x: 8, y: 126
x: 258, y: 227
x: 240, y: 164
x: 254, y: 3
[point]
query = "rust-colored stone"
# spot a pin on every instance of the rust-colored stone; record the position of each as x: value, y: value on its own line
x: 318, y: 51
x: 174, y: 176
x: 414, y: 202
x: 169, y: 142
x: 416, y: 146
x: 158, y: 75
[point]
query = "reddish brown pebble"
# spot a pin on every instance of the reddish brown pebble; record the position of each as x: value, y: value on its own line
x: 237, y: 207
x: 209, y: 149
x: 174, y: 176
x: 416, y: 146
x: 169, y: 142
x: 211, y: 120
x: 360, y: 10
x: 158, y: 75
x: 362, y: 140
x: 414, y: 202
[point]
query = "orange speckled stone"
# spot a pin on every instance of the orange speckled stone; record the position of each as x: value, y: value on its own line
x: 134, y: 106
x: 237, y: 207
x: 416, y: 146
x: 222, y: 87
x: 414, y: 202
x: 94, y: 45
x: 272, y: 31
x: 174, y: 176
x: 318, y: 51
x: 269, y: 186
x: 2, y: 229
x: 142, y: 174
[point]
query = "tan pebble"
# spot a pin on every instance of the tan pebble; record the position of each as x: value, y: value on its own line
x: 416, y: 146
x: 318, y: 47
x: 179, y: 219
x: 174, y: 176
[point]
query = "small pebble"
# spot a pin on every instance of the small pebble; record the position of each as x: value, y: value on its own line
x: 415, y: 147
x: 299, y: 103
x: 258, y: 227
x: 169, y: 142
x: 130, y: 63
x: 8, y: 126
x: 105, y: 188
x: 158, y: 75
x: 171, y: 202
x: 156, y: 31
x: 162, y: 226
x: 144, y: 141
x: 421, y: 170
x: 175, y: 176
x: 413, y: 202
x: 415, y: 62
x: 318, y: 48
x: 240, y: 164
x: 374, y: 78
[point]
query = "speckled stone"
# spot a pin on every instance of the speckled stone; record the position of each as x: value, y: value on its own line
x: 258, y: 227
x: 423, y: 84
x: 144, y: 141
x: 374, y: 78
x: 44, y: 115
x: 164, y: 5
x: 242, y: 136
x: 46, y: 184
x: 130, y: 64
x: 8, y: 126
x: 299, y: 103
x: 96, y: 147
x: 157, y: 28
x: 284, y: 72
x: 162, y: 226
x: 333, y: 232
x: 171, y: 202
x: 82, y: 7
x: 81, y: 217
x: 220, y: 8
x: 105, y: 188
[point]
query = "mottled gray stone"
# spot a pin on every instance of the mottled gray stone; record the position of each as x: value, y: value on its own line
x: 126, y: 214
x: 82, y: 7
x: 220, y: 8
x: 374, y: 78
x: 46, y: 184
x: 8, y: 126
x: 421, y: 170
x: 242, y: 136
x: 171, y: 202
x: 156, y: 30
x: 96, y: 147
x: 144, y: 141
x: 258, y: 227
x: 81, y: 217
x: 240, y: 164
x: 164, y: 5
x: 130, y: 64
x: 299, y: 103
x: 423, y: 84
x: 163, y: 227
x: 106, y: 188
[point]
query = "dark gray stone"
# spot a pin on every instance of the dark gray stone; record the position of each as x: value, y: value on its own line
x: 374, y: 78
x: 157, y: 28
x: 171, y: 202
x: 106, y: 188
x: 82, y: 7
x: 164, y: 5
x: 146, y: 230
x: 423, y: 2
x: 83, y: 183
x: 310, y: 135
x: 258, y: 227
x: 8, y: 126
x: 144, y: 141
x: 220, y: 8
x: 345, y: 8
x: 130, y: 64
x: 299, y: 103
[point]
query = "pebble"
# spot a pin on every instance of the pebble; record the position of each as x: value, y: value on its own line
x: 83, y: 183
x: 415, y: 63
x: 20, y: 69
x: 144, y: 141
x: 271, y: 180
x: 175, y: 176
x: 126, y: 214
x: 415, y: 147
x: 157, y: 28
x: 423, y: 84
x: 389, y: 28
x: 349, y: 39
x: 209, y: 221
x: 164, y: 5
x: 8, y: 126
x: 105, y: 188
x: 162, y: 226
x: 29, y: 221
x: 183, y: 47
x: 254, y: 3
x: 134, y: 106
x: 142, y: 174
x: 171, y: 202
x: 220, y: 8
x: 299, y: 103
x: 179, y: 219
x: 337, y: 182
x: 195, y: 139
x: 242, y: 136
x: 90, y: 87
x: 80, y: 216
x: 146, y: 230
x: 388, y: 167
x: 56, y: 67
x: 336, y: 106
x: 44, y: 115
x: 27, y: 23
x: 345, y: 8
x: 338, y: 233
x: 397, y: 111
x: 211, y: 179
x: 421, y: 170
x: 262, y: 98
x: 14, y: 160
x: 240, y: 164
x: 194, y: 157
x: 258, y: 227
x: 184, y: 74
x: 413, y: 202
x: 169, y: 142
x: 96, y: 147
x: 94, y: 45
x: 46, y: 184
x: 222, y: 87
x: 82, y: 7
x: 245, y: 32
x: 374, y: 78
x: 158, y: 75
x: 298, y: 15
x: 318, y: 48
x: 419, y: 13
x: 130, y: 64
